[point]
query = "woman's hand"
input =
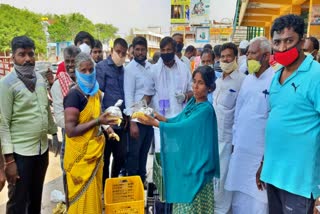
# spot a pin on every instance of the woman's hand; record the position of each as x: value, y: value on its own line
x: 149, y: 121
x: 159, y: 117
x: 106, y: 119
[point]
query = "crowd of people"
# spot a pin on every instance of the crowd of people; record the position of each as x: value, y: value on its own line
x: 237, y: 128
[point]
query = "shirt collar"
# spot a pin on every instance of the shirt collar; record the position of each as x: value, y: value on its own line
x: 234, y: 74
x: 305, y: 65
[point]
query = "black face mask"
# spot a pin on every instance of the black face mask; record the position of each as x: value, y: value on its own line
x: 179, y: 47
x: 167, y: 57
x: 140, y: 61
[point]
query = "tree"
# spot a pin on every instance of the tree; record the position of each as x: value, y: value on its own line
x: 17, y: 22
x: 104, y: 32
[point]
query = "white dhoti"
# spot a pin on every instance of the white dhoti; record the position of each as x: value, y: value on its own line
x: 223, y: 197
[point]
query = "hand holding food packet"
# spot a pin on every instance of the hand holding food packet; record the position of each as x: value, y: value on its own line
x: 115, y: 112
x: 140, y: 109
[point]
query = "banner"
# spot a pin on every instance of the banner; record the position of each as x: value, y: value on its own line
x: 180, y: 11
x: 220, y: 31
x: 200, y: 10
x: 202, y: 34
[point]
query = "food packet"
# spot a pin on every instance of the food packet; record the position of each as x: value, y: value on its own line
x: 139, y: 109
x: 115, y: 111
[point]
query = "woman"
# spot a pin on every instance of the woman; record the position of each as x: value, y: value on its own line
x: 83, y: 161
x: 189, y: 149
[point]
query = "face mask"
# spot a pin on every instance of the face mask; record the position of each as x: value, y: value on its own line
x: 167, y: 57
x: 286, y: 58
x: 85, y: 48
x: 117, y: 60
x: 87, y: 82
x: 179, y: 47
x: 140, y: 61
x: 25, y: 70
x: 228, y: 67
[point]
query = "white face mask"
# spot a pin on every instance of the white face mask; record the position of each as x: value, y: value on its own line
x: 228, y: 67
x: 85, y: 48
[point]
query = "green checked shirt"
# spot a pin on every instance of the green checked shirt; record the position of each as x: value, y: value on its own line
x: 25, y: 117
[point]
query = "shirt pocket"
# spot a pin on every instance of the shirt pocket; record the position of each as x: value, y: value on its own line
x: 261, y: 103
x: 228, y: 98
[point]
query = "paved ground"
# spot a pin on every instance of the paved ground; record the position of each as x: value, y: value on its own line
x: 54, y: 181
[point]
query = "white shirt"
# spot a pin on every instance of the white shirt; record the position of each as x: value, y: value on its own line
x: 251, y: 115
x: 186, y: 61
x: 135, y: 76
x: 57, y: 103
x: 173, y: 78
x: 242, y: 62
x: 224, y: 101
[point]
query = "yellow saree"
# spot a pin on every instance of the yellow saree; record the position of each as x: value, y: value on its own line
x: 83, y: 164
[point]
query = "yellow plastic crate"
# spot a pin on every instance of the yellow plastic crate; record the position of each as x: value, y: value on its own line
x: 124, y: 195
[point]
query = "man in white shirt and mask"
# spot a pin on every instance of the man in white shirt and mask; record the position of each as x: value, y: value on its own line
x: 249, y: 132
x: 224, y: 101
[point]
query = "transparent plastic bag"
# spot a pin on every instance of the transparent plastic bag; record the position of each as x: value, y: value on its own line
x: 140, y: 108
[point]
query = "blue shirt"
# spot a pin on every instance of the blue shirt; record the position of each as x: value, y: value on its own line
x: 292, y: 150
x: 110, y: 79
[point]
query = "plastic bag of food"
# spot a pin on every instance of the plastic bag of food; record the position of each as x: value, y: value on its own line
x: 140, y: 109
x: 115, y: 111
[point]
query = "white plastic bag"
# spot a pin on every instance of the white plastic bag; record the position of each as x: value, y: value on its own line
x: 57, y: 196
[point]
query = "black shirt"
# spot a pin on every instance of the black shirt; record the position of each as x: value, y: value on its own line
x: 75, y: 99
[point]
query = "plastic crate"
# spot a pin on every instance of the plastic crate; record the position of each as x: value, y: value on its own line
x: 124, y: 195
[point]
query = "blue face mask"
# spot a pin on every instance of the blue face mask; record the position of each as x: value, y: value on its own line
x: 87, y: 82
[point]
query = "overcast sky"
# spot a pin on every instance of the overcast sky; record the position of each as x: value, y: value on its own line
x: 123, y: 14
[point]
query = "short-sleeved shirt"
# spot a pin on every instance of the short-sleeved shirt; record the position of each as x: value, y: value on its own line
x: 292, y: 150
x: 75, y: 99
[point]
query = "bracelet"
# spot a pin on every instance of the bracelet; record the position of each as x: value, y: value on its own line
x: 9, y: 162
x: 98, y: 122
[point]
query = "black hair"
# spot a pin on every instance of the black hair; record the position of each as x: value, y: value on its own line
x: 139, y: 40
x: 314, y: 41
x: 84, y: 35
x: 216, y: 50
x: 207, y: 46
x: 72, y: 51
x: 208, y: 51
x: 97, y: 44
x: 288, y: 21
x: 208, y: 75
x: 130, y: 46
x: 168, y: 40
x: 121, y: 42
x: 190, y: 48
x: 177, y: 34
x: 229, y: 45
x: 22, y: 42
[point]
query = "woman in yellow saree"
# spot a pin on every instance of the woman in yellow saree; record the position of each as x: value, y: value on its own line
x: 83, y: 160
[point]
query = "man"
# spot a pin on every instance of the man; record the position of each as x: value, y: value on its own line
x: 140, y: 135
x: 84, y: 41
x: 224, y: 101
x: 250, y: 118
x: 130, y: 53
x: 178, y: 37
x: 60, y: 89
x: 169, y: 82
x: 190, y: 52
x: 207, y: 58
x: 96, y: 52
x: 291, y: 162
x: 110, y: 76
x: 311, y: 46
x: 242, y: 60
x: 216, y: 66
x: 26, y: 121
